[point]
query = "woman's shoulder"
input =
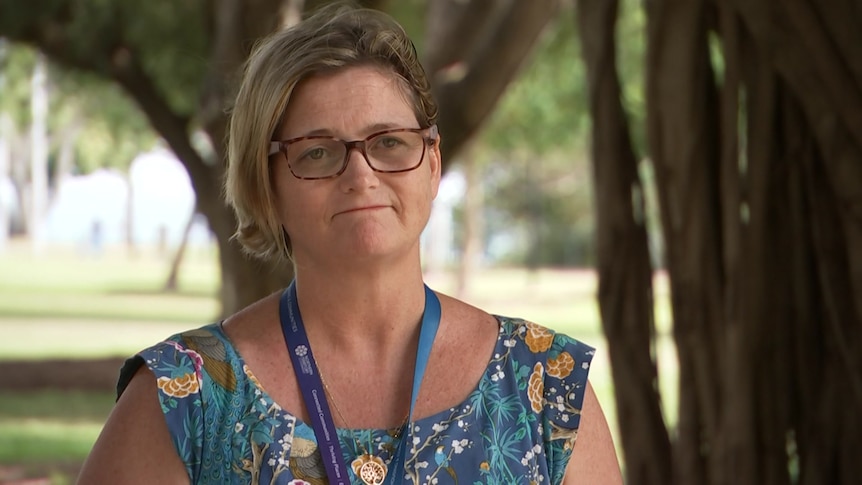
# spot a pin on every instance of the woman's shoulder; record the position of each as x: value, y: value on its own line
x: 529, y: 396
x: 219, y: 339
x: 180, y: 359
x: 189, y: 345
x: 540, y: 339
x: 468, y: 334
x: 249, y: 322
x: 216, y: 409
x: 210, y: 355
x: 518, y: 335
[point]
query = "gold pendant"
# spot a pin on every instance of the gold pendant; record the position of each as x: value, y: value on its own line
x: 370, y: 469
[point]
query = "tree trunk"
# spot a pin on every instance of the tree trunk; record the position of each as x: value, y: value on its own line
x: 681, y: 132
x: 171, y: 283
x: 38, y: 194
x: 472, y: 235
x: 6, y: 199
x: 760, y: 192
x: 66, y: 150
x: 625, y: 284
x: 129, y: 227
x: 244, y: 280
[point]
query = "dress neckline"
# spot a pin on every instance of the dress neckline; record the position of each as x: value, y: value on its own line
x: 255, y: 384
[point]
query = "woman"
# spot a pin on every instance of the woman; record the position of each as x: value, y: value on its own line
x: 357, y: 373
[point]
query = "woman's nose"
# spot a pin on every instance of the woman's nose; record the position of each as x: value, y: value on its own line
x: 358, y: 172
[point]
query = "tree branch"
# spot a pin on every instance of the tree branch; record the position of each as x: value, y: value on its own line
x: 449, y: 40
x: 469, y: 89
x: 235, y: 30
x: 170, y: 126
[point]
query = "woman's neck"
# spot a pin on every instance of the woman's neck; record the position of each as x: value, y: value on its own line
x: 368, y: 311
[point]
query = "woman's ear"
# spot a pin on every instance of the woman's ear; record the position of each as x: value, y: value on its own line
x: 435, y: 160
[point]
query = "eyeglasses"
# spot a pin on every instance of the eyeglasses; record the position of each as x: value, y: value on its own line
x: 321, y: 157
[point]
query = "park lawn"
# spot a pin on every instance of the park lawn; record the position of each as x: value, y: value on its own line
x: 60, y: 304
x: 49, y: 433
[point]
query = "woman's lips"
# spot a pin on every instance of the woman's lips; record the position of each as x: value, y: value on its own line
x: 363, y: 208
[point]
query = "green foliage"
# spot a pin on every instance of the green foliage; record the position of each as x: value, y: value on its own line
x: 546, y: 204
x: 535, y: 146
x: 36, y: 440
x: 173, y: 42
x: 77, y: 405
x: 16, y: 67
x: 533, y: 150
x: 411, y: 15
x: 110, y: 129
x: 113, y: 130
x: 169, y: 39
x: 93, y: 295
x: 543, y: 111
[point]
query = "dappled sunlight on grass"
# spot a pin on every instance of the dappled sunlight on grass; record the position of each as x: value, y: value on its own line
x: 60, y: 304
x: 40, y: 338
x: 46, y: 440
x: 76, y: 406
x: 107, y: 306
x: 49, y: 433
x: 69, y: 271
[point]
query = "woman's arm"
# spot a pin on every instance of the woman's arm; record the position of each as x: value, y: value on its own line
x: 134, y: 446
x: 594, y: 458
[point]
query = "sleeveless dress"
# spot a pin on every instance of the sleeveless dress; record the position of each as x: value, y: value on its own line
x: 517, y: 426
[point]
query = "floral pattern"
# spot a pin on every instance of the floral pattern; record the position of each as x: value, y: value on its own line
x: 180, y: 386
x: 561, y: 366
x: 517, y: 426
x: 536, y: 388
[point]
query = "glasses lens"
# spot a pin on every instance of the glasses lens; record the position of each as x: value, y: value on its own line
x: 395, y: 151
x: 315, y: 157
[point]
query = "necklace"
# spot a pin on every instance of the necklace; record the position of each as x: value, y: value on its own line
x: 369, y: 468
x: 314, y: 395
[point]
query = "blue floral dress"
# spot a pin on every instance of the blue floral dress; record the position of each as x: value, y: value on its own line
x: 517, y: 426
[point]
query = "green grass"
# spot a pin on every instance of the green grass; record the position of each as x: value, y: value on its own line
x: 49, y: 433
x: 50, y: 437
x: 60, y: 337
x: 59, y: 304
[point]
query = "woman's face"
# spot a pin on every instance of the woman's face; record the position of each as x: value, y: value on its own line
x: 360, y: 215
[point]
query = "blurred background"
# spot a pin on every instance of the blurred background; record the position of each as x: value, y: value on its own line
x: 678, y: 184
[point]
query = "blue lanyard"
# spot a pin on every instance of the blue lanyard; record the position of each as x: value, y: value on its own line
x: 313, y: 393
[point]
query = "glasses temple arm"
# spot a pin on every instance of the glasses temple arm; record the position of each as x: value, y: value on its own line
x: 274, y: 147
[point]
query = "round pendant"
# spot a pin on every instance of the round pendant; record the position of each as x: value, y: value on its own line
x: 370, y: 469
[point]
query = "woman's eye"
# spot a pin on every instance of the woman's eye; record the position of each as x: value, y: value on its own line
x: 316, y: 154
x: 388, y: 142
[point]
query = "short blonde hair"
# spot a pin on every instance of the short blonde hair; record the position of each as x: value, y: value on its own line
x: 335, y: 37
